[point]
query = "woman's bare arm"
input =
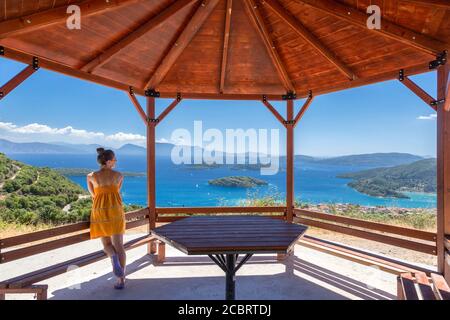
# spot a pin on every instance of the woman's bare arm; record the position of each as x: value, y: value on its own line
x: 120, y: 181
x: 90, y: 185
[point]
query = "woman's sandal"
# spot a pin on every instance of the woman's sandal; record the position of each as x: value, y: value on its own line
x: 120, y: 285
x: 117, y: 268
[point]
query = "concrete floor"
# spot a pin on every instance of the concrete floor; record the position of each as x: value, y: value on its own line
x: 308, y: 274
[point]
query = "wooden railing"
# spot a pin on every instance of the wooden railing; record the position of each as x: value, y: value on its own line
x: 417, y: 240
x: 70, y: 234
x: 176, y: 213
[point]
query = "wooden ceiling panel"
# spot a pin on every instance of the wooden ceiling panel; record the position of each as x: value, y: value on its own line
x: 75, y: 47
x: 201, y: 59
x: 143, y: 55
x: 414, y: 32
x: 249, y: 65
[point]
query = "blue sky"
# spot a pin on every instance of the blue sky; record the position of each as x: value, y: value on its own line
x: 385, y: 117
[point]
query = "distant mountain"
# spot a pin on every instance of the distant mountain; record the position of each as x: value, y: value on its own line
x: 419, y: 176
x: 9, y: 147
x: 372, y: 160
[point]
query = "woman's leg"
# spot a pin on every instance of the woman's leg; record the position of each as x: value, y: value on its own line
x: 108, y: 246
x: 117, y: 242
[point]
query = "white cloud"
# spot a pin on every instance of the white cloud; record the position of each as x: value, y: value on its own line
x: 429, y: 117
x: 36, y: 132
x: 121, y: 137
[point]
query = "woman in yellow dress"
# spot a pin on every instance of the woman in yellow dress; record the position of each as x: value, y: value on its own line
x: 107, y: 215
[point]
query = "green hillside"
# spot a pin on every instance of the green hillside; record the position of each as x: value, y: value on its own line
x: 419, y: 176
x: 34, y: 196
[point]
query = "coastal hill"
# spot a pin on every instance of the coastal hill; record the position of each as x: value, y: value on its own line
x: 40, y: 196
x: 419, y: 176
x: 372, y: 160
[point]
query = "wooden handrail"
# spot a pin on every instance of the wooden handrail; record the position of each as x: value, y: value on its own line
x: 218, y: 210
x: 58, y: 243
x: 164, y: 219
x: 60, y: 231
x: 403, y: 243
x: 407, y: 232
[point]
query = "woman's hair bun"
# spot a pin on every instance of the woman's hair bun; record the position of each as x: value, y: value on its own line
x: 100, y: 151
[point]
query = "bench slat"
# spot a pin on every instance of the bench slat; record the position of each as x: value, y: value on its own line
x: 425, y: 286
x: 441, y: 287
x: 409, y: 290
x: 52, y: 271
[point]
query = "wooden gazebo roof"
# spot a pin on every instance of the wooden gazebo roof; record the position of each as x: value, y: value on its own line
x: 237, y: 49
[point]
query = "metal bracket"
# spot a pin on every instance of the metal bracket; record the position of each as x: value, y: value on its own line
x: 310, y: 95
x: 401, y: 75
x: 131, y: 91
x: 2, y: 51
x: 289, y: 96
x: 35, y: 63
x: 2, y: 94
x: 441, y: 59
x: 153, y: 120
x: 179, y: 97
x: 435, y: 103
x: 152, y: 93
x: 289, y: 122
x: 264, y: 98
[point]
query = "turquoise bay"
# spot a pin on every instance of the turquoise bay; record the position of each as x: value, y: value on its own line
x: 178, y: 185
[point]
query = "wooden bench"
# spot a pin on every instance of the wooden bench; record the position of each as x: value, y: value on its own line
x: 418, y: 286
x: 26, y: 283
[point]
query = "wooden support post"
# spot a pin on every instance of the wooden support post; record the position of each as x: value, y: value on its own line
x: 17, y: 80
x: 422, y: 94
x: 443, y: 167
x: 302, y: 111
x: 151, y: 186
x: 290, y: 161
x: 168, y: 109
x: 137, y: 105
x: 274, y: 111
x: 161, y: 252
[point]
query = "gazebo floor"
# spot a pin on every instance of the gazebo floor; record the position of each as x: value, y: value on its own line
x: 308, y: 274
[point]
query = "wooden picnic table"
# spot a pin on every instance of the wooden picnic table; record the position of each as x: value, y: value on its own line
x: 224, y: 238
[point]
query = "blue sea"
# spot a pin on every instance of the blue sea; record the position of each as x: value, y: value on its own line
x: 178, y: 185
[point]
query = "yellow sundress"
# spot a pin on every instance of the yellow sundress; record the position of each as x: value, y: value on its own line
x: 107, y: 215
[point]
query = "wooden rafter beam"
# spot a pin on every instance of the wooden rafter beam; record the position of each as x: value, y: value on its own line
x: 138, y: 106
x: 168, y: 109
x: 418, y: 91
x: 309, y: 37
x: 445, y: 4
x: 258, y: 21
x: 149, y: 25
x: 274, y: 111
x: 226, y: 39
x: 388, y: 29
x: 302, y: 111
x: 16, y: 81
x: 34, y: 21
x: 191, y: 29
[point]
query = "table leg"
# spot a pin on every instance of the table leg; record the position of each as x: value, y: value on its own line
x: 230, y: 288
x: 228, y: 264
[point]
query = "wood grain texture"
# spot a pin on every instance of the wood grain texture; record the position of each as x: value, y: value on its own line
x: 230, y: 234
x: 318, y: 44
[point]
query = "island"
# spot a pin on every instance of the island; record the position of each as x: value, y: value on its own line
x: 419, y: 176
x: 237, y: 181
